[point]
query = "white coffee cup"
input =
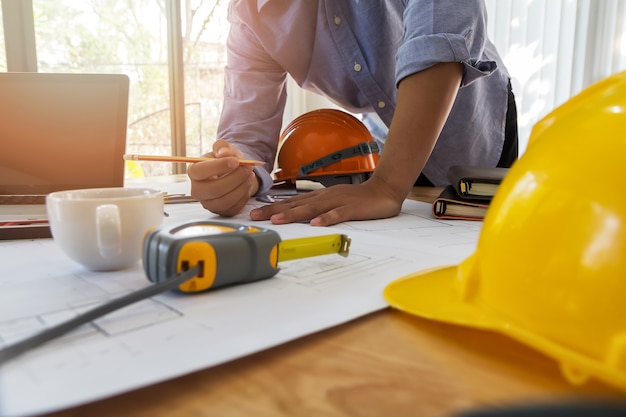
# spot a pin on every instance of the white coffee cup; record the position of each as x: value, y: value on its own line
x: 103, y: 228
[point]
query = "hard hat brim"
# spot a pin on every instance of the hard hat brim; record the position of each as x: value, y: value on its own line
x: 435, y: 294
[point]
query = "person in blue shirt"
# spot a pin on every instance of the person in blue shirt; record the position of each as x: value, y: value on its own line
x: 429, y: 83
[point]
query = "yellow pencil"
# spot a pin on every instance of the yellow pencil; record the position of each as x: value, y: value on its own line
x: 184, y: 159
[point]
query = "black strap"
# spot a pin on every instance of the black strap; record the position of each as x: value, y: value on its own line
x: 363, y: 148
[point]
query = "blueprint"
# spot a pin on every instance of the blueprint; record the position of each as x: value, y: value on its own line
x: 174, y: 334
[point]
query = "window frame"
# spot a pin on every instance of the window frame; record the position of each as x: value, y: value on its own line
x: 21, y: 56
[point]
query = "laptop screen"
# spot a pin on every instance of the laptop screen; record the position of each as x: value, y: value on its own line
x: 61, y: 131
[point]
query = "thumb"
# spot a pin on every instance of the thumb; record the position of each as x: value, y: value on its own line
x: 222, y: 148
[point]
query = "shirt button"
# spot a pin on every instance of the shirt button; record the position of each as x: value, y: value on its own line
x: 381, y: 104
x: 337, y: 20
x: 357, y: 67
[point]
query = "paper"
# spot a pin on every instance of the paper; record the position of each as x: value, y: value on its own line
x: 175, y: 334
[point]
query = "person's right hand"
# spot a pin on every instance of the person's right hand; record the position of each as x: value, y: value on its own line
x: 223, y: 186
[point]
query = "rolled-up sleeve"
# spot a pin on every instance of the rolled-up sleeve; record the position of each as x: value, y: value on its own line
x: 444, y: 31
x: 254, y: 98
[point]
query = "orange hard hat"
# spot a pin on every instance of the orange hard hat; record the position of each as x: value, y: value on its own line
x: 328, y: 146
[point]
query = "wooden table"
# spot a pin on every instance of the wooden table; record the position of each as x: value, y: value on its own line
x: 385, y: 364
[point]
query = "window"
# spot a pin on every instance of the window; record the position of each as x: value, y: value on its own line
x: 172, y: 51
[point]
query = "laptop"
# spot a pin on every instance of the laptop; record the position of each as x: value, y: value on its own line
x: 57, y: 132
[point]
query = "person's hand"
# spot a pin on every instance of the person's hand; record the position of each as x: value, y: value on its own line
x: 222, y: 185
x: 372, y: 199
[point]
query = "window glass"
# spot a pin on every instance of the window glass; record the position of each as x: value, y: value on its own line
x: 205, y: 29
x: 130, y: 37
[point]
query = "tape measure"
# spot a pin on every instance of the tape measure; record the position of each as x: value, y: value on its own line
x: 195, y: 257
x: 228, y: 253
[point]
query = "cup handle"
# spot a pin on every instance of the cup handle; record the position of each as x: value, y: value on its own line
x: 108, y: 230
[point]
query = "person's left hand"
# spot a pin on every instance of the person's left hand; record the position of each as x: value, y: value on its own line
x: 372, y: 199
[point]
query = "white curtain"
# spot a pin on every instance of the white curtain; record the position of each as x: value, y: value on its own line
x: 555, y: 48
x: 552, y: 48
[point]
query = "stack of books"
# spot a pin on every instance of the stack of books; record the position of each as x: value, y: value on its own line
x: 469, y: 193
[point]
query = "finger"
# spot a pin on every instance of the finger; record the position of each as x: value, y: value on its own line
x: 209, y: 155
x: 210, y: 170
x: 222, y: 148
x: 226, y: 196
x: 228, y: 206
x: 233, y: 202
x: 340, y: 214
x: 214, y: 188
x: 291, y: 212
x: 236, y: 207
x: 316, y: 214
x: 265, y: 212
x: 329, y: 218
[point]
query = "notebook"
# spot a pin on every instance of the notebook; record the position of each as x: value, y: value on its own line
x: 57, y: 132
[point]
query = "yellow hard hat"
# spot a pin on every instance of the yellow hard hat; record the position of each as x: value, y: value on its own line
x: 549, y: 268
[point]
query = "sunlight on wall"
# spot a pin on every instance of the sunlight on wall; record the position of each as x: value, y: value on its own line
x: 3, y: 54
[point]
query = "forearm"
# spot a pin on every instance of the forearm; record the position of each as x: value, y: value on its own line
x: 424, y: 102
x: 254, y: 96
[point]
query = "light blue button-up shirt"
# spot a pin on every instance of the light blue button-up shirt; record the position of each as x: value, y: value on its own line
x: 355, y: 52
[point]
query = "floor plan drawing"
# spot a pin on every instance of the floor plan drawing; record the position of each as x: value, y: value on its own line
x: 168, y: 335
